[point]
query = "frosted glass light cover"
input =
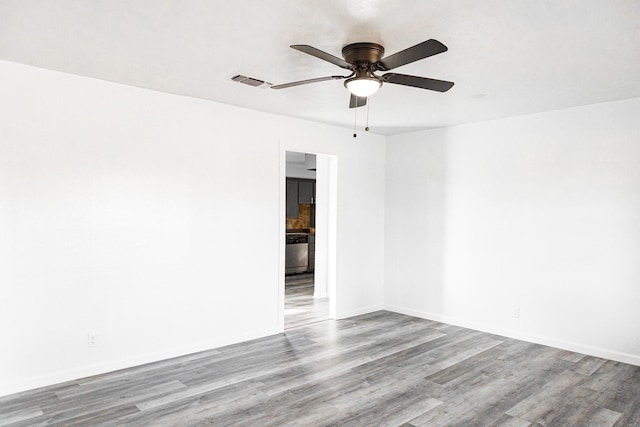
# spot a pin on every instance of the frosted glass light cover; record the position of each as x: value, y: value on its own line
x: 363, y: 87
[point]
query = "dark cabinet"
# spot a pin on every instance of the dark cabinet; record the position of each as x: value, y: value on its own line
x: 301, y: 192
x: 306, y: 194
x: 292, y: 197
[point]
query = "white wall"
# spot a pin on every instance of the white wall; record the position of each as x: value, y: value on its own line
x: 538, y: 212
x: 154, y: 221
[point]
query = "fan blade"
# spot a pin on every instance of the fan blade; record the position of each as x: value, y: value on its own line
x: 304, y: 82
x: 310, y: 50
x: 419, y: 82
x: 420, y: 51
x: 357, y: 101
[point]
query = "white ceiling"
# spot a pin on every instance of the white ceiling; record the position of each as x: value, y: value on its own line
x: 506, y: 57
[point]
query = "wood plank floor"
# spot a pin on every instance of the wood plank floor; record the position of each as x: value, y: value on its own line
x: 300, y: 307
x: 380, y: 369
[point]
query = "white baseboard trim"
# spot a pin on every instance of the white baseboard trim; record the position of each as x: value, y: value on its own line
x: 511, y: 333
x: 129, y: 362
x: 359, y: 311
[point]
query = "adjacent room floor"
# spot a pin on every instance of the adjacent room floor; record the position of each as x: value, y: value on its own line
x: 379, y: 369
x: 300, y: 307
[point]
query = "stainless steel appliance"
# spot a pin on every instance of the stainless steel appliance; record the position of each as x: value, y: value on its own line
x: 296, y: 253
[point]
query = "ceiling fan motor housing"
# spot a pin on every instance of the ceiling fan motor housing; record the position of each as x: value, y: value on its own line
x: 362, y: 53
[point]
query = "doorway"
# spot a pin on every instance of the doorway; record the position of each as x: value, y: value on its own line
x: 309, y: 236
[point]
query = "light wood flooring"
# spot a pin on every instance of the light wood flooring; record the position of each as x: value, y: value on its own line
x: 379, y: 369
x: 300, y: 307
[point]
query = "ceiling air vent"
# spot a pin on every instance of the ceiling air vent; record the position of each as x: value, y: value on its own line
x: 248, y: 80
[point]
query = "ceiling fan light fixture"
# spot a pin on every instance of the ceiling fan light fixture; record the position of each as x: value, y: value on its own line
x: 363, y: 86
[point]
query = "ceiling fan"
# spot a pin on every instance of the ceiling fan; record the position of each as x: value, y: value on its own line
x: 365, y: 59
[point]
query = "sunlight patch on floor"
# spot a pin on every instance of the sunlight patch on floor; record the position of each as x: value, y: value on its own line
x: 294, y: 311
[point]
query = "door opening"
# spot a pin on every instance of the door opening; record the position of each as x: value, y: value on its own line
x: 309, y: 253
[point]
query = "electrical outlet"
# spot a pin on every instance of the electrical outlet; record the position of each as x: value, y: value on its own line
x: 92, y: 340
x: 516, y: 313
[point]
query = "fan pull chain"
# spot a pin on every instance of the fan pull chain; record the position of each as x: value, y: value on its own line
x: 368, y: 105
x: 355, y: 118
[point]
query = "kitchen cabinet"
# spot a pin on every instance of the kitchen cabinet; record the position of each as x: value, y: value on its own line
x: 300, y: 192
x: 306, y: 194
x: 292, y: 197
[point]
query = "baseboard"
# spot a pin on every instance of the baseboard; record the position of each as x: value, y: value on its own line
x: 359, y: 311
x: 114, y: 365
x: 519, y: 335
